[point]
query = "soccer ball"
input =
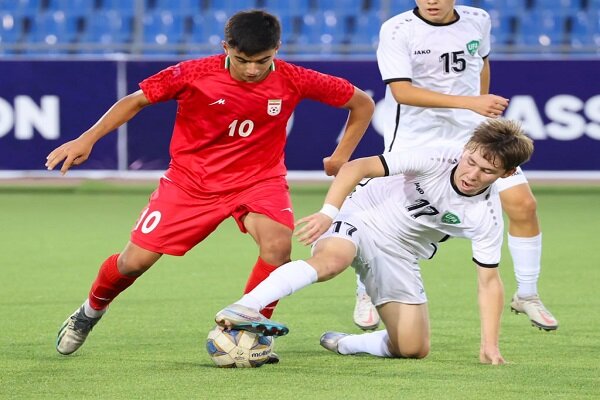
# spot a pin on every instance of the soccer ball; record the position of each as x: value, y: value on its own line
x: 241, y: 349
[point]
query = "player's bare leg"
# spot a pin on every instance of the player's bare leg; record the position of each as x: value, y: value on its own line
x: 525, y: 245
x: 116, y: 274
x: 407, y: 334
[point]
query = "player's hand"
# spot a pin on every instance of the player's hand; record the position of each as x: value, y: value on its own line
x: 489, y: 105
x: 332, y: 166
x: 74, y: 152
x: 313, y: 226
x: 491, y: 355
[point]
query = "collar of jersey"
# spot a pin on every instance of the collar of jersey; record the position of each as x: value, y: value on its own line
x: 416, y: 12
x: 228, y: 63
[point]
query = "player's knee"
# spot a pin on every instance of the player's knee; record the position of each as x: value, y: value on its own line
x: 523, y: 212
x: 276, y: 251
x: 416, y: 349
x: 133, y: 266
x: 329, y: 264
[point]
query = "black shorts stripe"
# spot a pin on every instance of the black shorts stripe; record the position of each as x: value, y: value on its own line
x: 385, y: 166
x: 485, y: 265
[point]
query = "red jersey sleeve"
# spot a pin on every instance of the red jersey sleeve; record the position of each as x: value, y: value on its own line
x: 321, y: 87
x: 165, y: 85
x: 171, y: 82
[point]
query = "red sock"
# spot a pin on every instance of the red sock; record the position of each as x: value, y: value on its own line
x: 108, y: 284
x: 259, y: 273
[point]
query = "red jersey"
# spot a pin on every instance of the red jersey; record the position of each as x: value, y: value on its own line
x: 229, y: 134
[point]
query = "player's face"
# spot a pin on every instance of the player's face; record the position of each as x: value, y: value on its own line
x: 437, y: 11
x: 474, y: 173
x: 249, y: 68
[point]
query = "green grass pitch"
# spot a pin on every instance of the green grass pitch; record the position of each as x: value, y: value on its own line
x: 151, y: 343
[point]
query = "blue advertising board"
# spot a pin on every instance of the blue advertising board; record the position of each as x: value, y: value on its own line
x: 45, y: 103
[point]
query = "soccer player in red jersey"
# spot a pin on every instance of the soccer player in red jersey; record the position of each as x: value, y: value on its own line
x: 227, y: 157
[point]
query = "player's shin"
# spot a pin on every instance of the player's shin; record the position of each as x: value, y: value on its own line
x: 260, y: 272
x: 282, y: 282
x: 108, y: 284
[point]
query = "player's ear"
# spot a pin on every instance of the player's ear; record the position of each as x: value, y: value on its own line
x: 509, y: 172
x: 225, y: 47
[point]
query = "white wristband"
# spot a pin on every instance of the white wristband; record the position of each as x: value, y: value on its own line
x: 330, y: 210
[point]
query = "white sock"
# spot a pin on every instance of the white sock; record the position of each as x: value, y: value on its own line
x: 375, y: 343
x: 526, y: 253
x: 91, y: 312
x: 360, y: 287
x: 284, y: 281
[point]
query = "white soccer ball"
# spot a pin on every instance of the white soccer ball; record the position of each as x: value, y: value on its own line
x: 241, y: 349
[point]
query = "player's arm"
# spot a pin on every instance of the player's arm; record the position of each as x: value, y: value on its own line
x: 76, y: 151
x: 350, y: 174
x: 491, y: 299
x: 488, y: 105
x: 361, y: 108
x: 485, y: 77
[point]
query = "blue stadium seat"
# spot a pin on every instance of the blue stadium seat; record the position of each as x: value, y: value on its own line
x: 51, y: 29
x: 322, y: 29
x: 207, y: 29
x: 162, y: 30
x: 585, y: 30
x: 513, y: 8
x: 11, y: 30
x: 339, y: 7
x: 470, y: 3
x: 107, y: 28
x: 23, y: 8
x: 542, y: 28
x: 567, y: 6
x: 365, y: 32
x: 593, y: 5
x: 502, y: 29
x: 292, y: 7
x: 123, y: 7
x: 400, y: 6
x: 76, y: 8
x: 230, y: 7
x: 182, y: 7
x: 290, y: 27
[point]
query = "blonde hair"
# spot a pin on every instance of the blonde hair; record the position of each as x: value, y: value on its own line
x: 501, y: 141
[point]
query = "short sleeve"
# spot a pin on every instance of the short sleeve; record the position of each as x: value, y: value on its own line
x: 486, y: 243
x: 324, y: 88
x: 485, y: 47
x: 422, y: 161
x: 165, y: 85
x: 393, y: 55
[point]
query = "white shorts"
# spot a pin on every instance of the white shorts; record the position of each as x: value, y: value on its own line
x: 515, y: 179
x: 389, y: 272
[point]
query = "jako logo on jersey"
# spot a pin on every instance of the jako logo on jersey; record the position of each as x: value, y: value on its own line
x: 220, y: 101
x: 472, y: 47
x: 274, y: 107
x: 422, y: 52
x: 449, y: 218
x: 418, y: 188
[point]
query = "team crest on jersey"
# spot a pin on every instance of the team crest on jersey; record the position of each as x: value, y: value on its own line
x: 472, y: 47
x: 274, y: 107
x: 450, y: 219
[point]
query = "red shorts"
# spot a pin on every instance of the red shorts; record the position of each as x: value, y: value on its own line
x: 175, y: 221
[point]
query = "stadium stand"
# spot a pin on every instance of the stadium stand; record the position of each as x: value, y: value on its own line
x: 311, y: 27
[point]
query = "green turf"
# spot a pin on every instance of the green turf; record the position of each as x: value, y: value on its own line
x: 151, y: 343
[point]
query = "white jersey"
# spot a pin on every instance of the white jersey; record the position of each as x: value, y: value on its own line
x: 412, y: 212
x: 445, y: 58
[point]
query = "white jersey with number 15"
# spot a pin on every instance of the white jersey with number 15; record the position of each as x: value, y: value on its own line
x: 445, y: 58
